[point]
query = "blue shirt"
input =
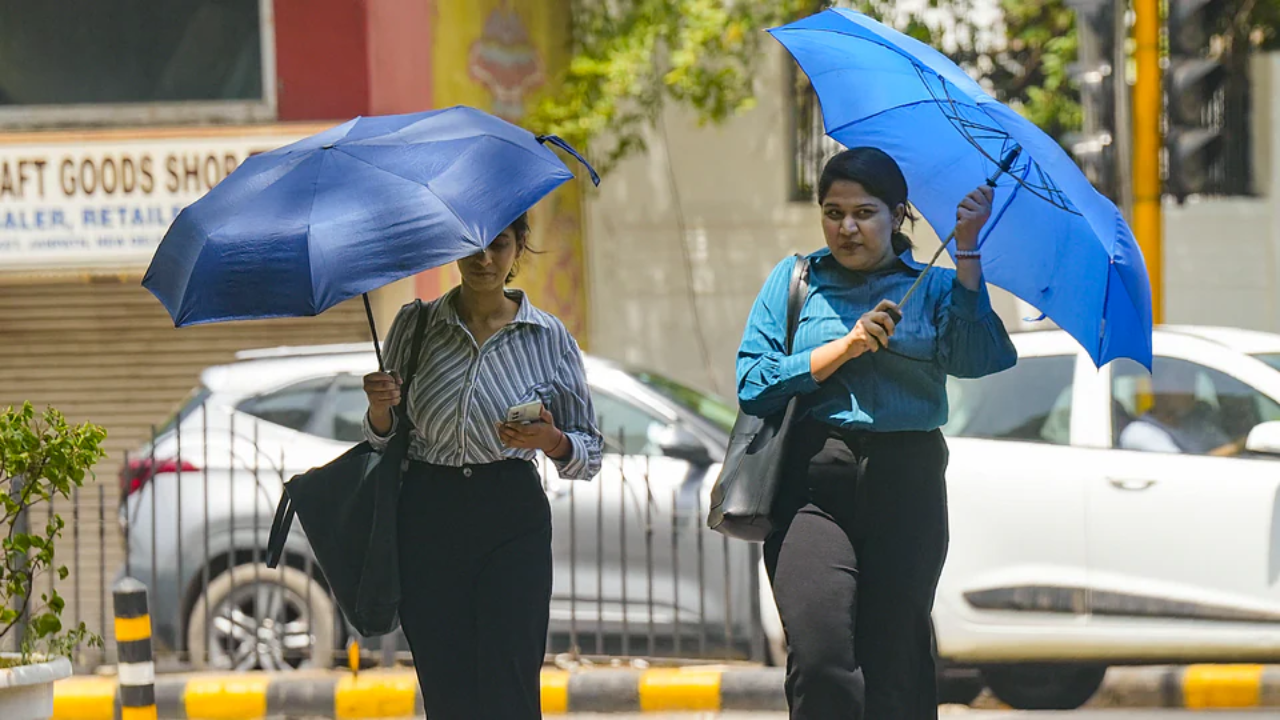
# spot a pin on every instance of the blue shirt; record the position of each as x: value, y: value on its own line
x: 946, y: 329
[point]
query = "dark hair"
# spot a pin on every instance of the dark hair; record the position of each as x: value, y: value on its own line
x: 521, y: 228
x: 878, y: 174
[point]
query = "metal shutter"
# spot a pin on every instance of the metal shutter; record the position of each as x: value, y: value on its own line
x: 106, y: 352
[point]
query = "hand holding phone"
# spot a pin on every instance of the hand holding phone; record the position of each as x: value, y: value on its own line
x: 526, y: 413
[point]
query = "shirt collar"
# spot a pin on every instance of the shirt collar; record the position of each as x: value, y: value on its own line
x: 906, y: 260
x: 446, y: 313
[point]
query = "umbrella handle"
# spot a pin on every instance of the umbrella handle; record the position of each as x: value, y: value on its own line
x: 1006, y: 164
x: 560, y: 143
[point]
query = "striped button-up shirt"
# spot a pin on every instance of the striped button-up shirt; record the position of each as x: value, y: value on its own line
x: 463, y: 390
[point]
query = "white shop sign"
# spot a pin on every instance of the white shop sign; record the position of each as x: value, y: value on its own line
x: 107, y: 203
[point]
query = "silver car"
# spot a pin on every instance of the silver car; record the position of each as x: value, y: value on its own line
x: 636, y: 571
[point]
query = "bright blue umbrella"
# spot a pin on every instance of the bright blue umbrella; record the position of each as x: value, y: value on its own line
x: 295, y: 231
x: 1053, y: 240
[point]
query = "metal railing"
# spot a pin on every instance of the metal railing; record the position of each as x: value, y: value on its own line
x: 638, y: 577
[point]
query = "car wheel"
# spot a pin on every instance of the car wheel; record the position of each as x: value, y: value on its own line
x: 959, y: 688
x: 1044, y: 687
x: 262, y: 619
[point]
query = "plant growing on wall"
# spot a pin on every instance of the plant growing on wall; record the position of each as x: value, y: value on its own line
x: 42, y: 458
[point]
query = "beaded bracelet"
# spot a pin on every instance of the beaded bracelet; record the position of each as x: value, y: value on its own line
x: 968, y: 254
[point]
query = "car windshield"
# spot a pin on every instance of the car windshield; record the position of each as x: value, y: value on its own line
x: 1272, y: 359
x: 189, y: 404
x: 711, y: 408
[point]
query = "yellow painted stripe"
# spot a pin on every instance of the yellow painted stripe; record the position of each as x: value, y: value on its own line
x: 146, y: 713
x: 226, y: 697
x: 683, y: 689
x: 84, y: 699
x: 375, y: 695
x: 130, y: 629
x: 555, y: 692
x: 1222, y: 686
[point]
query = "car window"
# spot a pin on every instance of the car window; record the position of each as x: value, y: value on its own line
x: 291, y: 407
x: 349, y: 406
x: 1272, y: 359
x: 627, y: 427
x: 709, y: 407
x: 1185, y: 407
x: 1030, y: 402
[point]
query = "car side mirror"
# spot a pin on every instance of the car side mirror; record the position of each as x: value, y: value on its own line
x: 1264, y: 439
x: 677, y: 442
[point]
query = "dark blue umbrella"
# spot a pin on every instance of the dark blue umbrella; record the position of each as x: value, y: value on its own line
x: 1053, y: 240
x: 295, y: 231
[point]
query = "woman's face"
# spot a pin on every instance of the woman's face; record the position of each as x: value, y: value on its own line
x: 859, y: 226
x: 488, y: 270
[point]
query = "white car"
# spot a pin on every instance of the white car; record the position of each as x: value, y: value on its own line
x: 1069, y: 554
x: 636, y: 570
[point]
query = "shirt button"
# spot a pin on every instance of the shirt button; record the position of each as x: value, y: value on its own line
x: 466, y: 472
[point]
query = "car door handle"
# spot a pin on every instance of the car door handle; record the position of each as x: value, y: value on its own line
x: 1131, y: 483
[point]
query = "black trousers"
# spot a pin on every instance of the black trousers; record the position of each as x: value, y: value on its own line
x: 475, y: 573
x: 860, y: 541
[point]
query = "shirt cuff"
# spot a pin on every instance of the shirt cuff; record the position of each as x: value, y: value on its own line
x: 971, y: 305
x: 796, y: 371
x: 376, y: 441
x: 574, y: 466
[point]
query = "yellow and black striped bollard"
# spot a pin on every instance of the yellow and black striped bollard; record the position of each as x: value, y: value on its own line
x: 136, y: 669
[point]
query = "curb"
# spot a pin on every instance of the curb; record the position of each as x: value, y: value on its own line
x: 1196, y: 687
x: 394, y: 694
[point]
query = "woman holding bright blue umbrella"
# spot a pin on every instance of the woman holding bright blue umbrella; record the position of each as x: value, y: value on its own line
x: 860, y: 522
x: 861, y: 530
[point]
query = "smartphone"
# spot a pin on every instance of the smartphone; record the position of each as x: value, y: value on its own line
x: 527, y: 413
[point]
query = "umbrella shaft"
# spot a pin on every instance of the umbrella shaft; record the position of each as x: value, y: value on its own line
x: 373, y: 329
x: 927, y: 268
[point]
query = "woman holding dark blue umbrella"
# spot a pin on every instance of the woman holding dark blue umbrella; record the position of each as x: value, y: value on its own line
x: 861, y: 520
x: 475, y: 524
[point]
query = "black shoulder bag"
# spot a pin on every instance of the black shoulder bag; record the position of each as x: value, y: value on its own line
x: 742, y: 498
x: 348, y: 511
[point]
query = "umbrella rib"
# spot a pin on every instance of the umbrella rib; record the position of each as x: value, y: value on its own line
x: 410, y: 180
x: 915, y: 62
x: 848, y: 125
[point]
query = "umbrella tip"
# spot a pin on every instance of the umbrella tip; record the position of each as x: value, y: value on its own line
x: 327, y: 146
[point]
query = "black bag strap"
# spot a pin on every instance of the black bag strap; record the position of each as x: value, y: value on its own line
x: 796, y: 296
x: 279, y: 530
x: 402, y: 410
x: 283, y: 520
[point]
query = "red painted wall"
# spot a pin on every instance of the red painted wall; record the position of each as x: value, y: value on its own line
x: 399, y: 41
x: 322, y: 59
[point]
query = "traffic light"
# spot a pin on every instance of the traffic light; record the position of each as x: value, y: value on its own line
x: 1093, y: 147
x: 1194, y: 85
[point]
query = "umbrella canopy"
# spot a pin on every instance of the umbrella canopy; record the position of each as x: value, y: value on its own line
x: 1053, y: 240
x: 300, y: 229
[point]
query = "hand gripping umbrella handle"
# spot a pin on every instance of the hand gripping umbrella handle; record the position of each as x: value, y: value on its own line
x: 1006, y: 165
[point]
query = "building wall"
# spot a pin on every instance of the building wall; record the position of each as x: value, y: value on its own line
x: 1222, y: 256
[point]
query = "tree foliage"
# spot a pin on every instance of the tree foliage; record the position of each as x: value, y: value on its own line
x: 632, y: 57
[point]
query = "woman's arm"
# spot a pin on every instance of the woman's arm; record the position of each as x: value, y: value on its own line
x: 767, y: 376
x: 973, y: 339
x: 383, y: 388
